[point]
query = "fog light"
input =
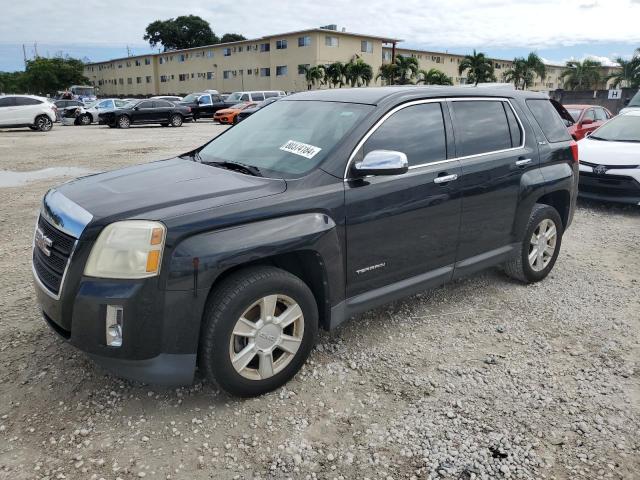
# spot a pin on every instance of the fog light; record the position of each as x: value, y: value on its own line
x: 113, y: 325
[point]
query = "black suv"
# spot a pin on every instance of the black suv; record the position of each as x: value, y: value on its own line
x: 325, y: 204
x: 203, y: 104
x: 139, y: 112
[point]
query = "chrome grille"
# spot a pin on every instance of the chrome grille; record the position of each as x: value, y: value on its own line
x: 51, y: 268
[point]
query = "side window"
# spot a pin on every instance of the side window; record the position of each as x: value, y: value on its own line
x: 7, y: 102
x: 120, y: 103
x: 601, y: 115
x: 61, y: 103
x: 589, y: 115
x: 270, y: 94
x: 549, y: 120
x: 20, y: 101
x: 205, y: 100
x: 244, y: 97
x: 104, y: 104
x: 257, y: 97
x: 145, y: 105
x: 481, y: 127
x: 514, y: 126
x: 162, y: 104
x: 417, y: 131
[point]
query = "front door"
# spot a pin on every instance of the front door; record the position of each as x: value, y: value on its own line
x: 144, y: 112
x: 404, y: 226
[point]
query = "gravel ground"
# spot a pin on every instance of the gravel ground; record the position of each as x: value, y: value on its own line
x: 484, y: 378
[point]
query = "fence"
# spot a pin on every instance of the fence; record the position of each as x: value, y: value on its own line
x: 594, y: 97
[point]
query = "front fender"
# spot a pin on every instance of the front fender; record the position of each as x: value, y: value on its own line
x: 197, y: 261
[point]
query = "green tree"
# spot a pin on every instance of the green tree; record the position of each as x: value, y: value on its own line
x: 232, y: 37
x: 12, y: 82
x: 406, y: 70
x: 358, y: 73
x: 335, y: 74
x: 49, y: 75
x: 479, y: 68
x: 583, y: 75
x: 433, y: 76
x: 314, y: 76
x: 388, y: 73
x: 533, y: 66
x: 516, y: 73
x: 629, y: 74
x: 182, y: 32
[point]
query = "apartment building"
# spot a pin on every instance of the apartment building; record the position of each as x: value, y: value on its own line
x: 274, y: 62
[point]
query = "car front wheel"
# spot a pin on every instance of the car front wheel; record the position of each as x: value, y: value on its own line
x: 540, y: 246
x: 259, y: 327
x: 43, y: 123
x: 124, y: 122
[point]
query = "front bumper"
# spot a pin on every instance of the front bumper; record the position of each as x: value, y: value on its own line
x: 618, y: 188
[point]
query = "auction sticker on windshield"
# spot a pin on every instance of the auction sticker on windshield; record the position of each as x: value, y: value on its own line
x: 298, y: 148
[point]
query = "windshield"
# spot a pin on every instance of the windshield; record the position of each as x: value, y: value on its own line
x: 635, y: 101
x: 625, y: 128
x: 287, y: 139
x: 234, y: 97
x: 575, y: 113
x: 192, y: 97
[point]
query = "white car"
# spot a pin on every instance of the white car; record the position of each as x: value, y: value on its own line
x: 37, y: 113
x: 610, y: 160
x: 90, y: 115
x: 634, y: 104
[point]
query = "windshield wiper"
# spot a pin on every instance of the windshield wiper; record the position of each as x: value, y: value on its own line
x: 237, y: 167
x: 593, y: 137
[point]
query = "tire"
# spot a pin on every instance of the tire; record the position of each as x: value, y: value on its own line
x: 124, y: 122
x: 86, y: 119
x: 110, y: 125
x: 43, y: 123
x: 175, y: 120
x: 543, y: 219
x: 34, y: 128
x: 164, y: 124
x: 247, y: 294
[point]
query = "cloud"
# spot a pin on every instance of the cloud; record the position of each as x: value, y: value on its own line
x: 531, y: 24
x: 605, y: 61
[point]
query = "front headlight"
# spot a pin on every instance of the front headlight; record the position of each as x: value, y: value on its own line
x: 128, y: 249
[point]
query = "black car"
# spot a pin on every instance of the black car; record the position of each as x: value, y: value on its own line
x: 324, y: 205
x: 247, y: 112
x: 203, y: 104
x: 144, y: 112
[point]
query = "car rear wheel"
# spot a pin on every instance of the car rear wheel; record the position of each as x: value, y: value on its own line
x: 85, y: 119
x: 176, y: 120
x: 259, y: 327
x: 124, y: 122
x: 43, y: 123
x: 540, y: 246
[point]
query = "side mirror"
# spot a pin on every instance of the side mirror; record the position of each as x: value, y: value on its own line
x: 588, y: 134
x: 587, y: 121
x: 136, y: 108
x: 382, y: 162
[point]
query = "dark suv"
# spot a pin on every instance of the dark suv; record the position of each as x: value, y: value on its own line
x: 139, y: 112
x: 325, y: 204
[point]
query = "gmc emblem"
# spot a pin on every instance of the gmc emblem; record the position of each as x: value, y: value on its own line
x: 43, y: 242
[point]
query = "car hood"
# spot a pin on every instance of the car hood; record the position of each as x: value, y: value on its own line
x: 609, y: 153
x: 227, y: 111
x: 164, y: 189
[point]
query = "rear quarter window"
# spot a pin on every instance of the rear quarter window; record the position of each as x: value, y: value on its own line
x: 549, y: 120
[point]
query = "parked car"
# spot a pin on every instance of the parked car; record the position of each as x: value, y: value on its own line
x: 252, y: 96
x: 92, y: 112
x: 37, y: 113
x: 247, y: 112
x: 145, y: 112
x: 587, y: 118
x: 610, y: 160
x: 634, y: 103
x: 203, y: 104
x: 169, y: 98
x: 60, y: 104
x: 326, y: 204
x: 229, y: 116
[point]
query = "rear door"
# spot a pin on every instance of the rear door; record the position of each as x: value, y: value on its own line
x: 8, y: 111
x: 494, y: 155
x: 405, y: 226
x: 162, y: 111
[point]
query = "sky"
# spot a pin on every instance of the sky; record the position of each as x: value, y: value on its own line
x: 558, y: 30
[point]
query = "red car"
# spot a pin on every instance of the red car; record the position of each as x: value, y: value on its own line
x: 587, y: 118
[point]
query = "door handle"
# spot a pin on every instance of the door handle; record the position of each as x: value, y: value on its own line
x: 522, y: 162
x: 446, y: 178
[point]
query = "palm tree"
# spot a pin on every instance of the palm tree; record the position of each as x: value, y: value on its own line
x: 433, y: 77
x: 629, y: 75
x: 516, y: 73
x: 406, y: 69
x: 358, y: 73
x: 334, y: 74
x: 388, y: 73
x: 524, y: 70
x: 313, y: 75
x: 581, y: 75
x: 480, y: 68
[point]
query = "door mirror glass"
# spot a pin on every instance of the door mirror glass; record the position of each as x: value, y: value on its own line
x: 382, y: 162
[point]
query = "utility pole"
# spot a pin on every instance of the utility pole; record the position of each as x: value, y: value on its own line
x: 24, y: 55
x: 128, y: 51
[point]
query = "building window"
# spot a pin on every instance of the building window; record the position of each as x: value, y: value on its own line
x: 163, y: 78
x: 226, y: 74
x: 138, y: 63
x: 366, y: 46
x: 302, y: 68
x: 119, y: 65
x: 138, y: 79
x: 304, y: 41
x: 129, y: 81
x: 386, y: 56
x: 147, y: 61
x: 183, y: 76
x: 281, y: 44
x: 265, y: 72
x: 128, y: 64
x: 210, y: 76
x: 240, y: 48
x: 148, y: 79
x: 249, y: 71
x: 227, y: 52
x: 210, y: 53
x: 161, y: 60
x: 331, y: 41
x: 265, y: 47
x: 181, y: 57
x: 281, y: 71
x: 121, y: 81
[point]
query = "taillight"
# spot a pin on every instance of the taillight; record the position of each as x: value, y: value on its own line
x: 574, y: 150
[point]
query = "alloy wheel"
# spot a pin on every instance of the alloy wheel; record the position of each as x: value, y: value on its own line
x: 44, y: 123
x: 542, y: 244
x: 266, y: 337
